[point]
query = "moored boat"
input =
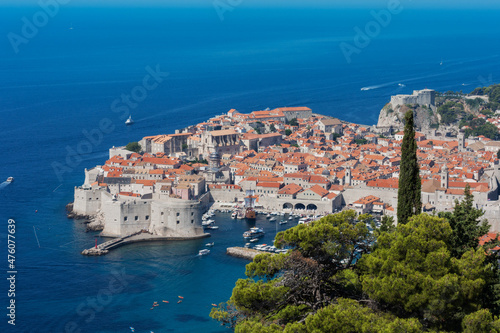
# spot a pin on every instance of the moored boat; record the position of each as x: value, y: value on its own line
x: 253, y: 233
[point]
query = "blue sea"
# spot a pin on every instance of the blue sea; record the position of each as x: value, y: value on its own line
x: 60, y: 95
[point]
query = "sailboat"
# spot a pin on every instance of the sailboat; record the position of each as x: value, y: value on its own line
x: 129, y: 121
x: 249, y: 205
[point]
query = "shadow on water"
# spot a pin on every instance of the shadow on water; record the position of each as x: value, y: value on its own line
x: 189, y: 317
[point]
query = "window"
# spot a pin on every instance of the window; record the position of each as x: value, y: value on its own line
x: 147, y: 217
x: 178, y: 221
x: 178, y: 214
x: 136, y: 218
x: 161, y: 213
x: 125, y: 218
x: 192, y: 213
x: 192, y: 221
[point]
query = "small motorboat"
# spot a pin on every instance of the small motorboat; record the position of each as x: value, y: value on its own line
x: 268, y: 216
x: 213, y: 304
x: 10, y: 179
x: 272, y: 219
x: 210, y: 244
x: 129, y: 121
x: 204, y: 252
x: 180, y: 297
x: 283, y: 222
x: 253, y: 240
x: 165, y: 301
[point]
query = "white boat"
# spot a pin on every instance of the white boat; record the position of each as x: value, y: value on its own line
x: 210, y: 244
x: 10, y: 179
x: 272, y: 219
x: 253, y: 240
x: 290, y: 218
x: 129, y: 121
x: 214, y: 227
x: 204, y: 252
x: 268, y: 216
x: 253, y: 233
x: 283, y: 222
x: 234, y: 215
x: 207, y: 222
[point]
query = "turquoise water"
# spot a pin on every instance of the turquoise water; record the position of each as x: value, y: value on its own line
x: 64, y: 81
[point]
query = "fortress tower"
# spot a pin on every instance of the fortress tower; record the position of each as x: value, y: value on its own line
x: 444, y: 176
x: 461, y: 142
x: 347, y: 177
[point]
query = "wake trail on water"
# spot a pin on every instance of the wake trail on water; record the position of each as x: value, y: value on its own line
x: 4, y: 184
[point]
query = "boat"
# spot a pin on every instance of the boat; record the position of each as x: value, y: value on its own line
x: 250, y: 205
x: 129, y: 121
x: 247, y: 245
x: 10, y: 179
x: 290, y: 218
x: 234, y: 215
x: 213, y: 227
x: 241, y: 214
x: 272, y: 219
x: 203, y: 252
x: 165, y: 301
x: 253, y: 240
x: 253, y: 233
x: 283, y: 222
x: 210, y: 244
x: 181, y: 297
x: 268, y: 216
x: 207, y: 222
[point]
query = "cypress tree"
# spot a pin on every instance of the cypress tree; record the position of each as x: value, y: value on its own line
x: 409, y: 200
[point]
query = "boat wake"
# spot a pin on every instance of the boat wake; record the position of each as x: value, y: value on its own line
x: 4, y: 184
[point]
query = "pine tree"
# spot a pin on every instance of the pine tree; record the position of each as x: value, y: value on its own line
x: 409, y: 200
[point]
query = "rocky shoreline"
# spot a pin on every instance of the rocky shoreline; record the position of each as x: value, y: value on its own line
x: 94, y: 222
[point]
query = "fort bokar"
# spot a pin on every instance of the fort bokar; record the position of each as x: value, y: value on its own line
x: 293, y: 160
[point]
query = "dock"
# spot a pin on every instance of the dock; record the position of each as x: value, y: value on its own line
x: 140, y: 236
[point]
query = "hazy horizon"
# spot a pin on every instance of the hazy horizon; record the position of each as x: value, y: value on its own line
x: 359, y: 4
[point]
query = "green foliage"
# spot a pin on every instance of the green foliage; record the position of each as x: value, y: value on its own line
x: 479, y: 126
x: 413, y: 274
x: 288, y: 132
x: 257, y: 130
x: 409, y: 200
x: 134, y: 146
x: 493, y: 93
x: 450, y: 111
x: 184, y: 146
x: 202, y: 161
x: 465, y: 224
x: 480, y: 321
x: 272, y: 128
x: 474, y: 103
x: 361, y: 141
x: 335, y: 136
x: 498, y: 154
x: 293, y: 122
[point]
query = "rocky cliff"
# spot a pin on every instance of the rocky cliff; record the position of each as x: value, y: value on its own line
x: 425, y: 118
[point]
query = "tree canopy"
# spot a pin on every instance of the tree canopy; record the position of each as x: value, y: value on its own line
x: 409, y: 188
x: 134, y: 146
x: 336, y: 277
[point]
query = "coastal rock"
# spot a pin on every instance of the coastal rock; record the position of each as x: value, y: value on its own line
x: 425, y: 117
x: 96, y: 223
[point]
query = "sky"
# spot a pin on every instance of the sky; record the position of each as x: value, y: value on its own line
x: 438, y: 4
